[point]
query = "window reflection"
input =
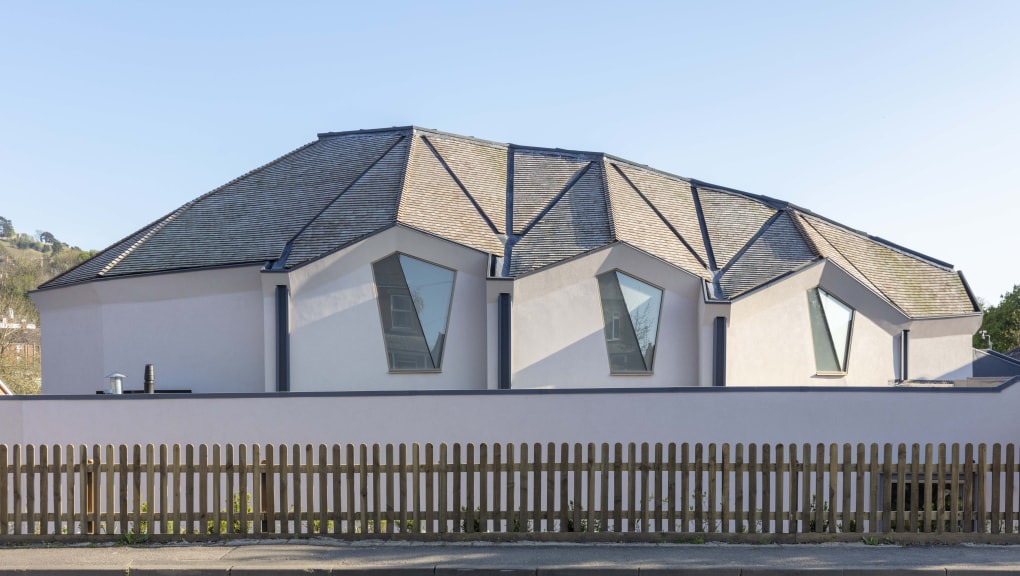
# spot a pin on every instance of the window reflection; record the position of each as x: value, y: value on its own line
x: 414, y: 306
x: 831, y: 324
x: 630, y: 310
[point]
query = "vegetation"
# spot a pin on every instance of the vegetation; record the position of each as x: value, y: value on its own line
x: 1001, y: 324
x: 26, y: 261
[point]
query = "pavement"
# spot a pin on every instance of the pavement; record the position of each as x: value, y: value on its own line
x: 262, y: 557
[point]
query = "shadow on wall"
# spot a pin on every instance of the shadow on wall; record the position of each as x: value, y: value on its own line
x: 585, y: 364
x: 991, y: 364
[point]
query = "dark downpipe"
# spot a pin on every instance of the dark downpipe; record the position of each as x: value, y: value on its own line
x: 719, y: 352
x: 503, y: 322
x: 282, y: 339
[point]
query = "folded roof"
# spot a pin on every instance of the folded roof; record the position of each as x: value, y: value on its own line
x: 532, y: 206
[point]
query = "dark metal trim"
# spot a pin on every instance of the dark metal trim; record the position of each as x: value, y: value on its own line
x: 552, y: 203
x: 904, y: 355
x: 661, y: 217
x: 319, y: 214
x: 704, y: 228
x: 460, y: 184
x: 282, y: 339
x: 719, y: 352
x: 503, y: 341
x: 532, y: 392
x: 761, y: 232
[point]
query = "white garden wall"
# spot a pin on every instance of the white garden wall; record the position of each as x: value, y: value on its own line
x: 788, y: 415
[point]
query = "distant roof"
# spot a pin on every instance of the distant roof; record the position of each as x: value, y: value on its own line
x: 1014, y: 353
x: 550, y: 204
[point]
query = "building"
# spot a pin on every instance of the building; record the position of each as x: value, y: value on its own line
x: 411, y: 259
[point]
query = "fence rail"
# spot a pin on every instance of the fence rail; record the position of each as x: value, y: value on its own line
x: 347, y: 490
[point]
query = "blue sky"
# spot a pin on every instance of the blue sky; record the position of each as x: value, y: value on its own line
x: 898, y: 118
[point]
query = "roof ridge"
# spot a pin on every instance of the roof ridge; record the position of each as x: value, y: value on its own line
x: 662, y: 217
x: 750, y: 242
x: 456, y: 179
x: 610, y: 210
x: 877, y: 289
x: 879, y: 240
x: 282, y: 260
x: 156, y: 227
x: 451, y: 135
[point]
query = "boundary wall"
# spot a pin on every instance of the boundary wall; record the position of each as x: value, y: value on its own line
x: 702, y: 415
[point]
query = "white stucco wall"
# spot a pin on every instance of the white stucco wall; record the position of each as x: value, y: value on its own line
x: 336, y: 339
x: 202, y: 330
x: 941, y: 357
x: 679, y: 415
x: 770, y: 341
x: 558, y: 333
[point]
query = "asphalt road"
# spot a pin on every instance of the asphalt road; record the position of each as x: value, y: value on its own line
x: 328, y: 556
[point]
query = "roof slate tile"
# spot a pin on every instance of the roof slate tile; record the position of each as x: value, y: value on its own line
x: 638, y: 225
x: 732, y: 220
x: 577, y: 223
x: 432, y: 201
x: 779, y: 249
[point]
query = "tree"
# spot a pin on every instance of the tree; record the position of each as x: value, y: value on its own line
x: 1001, y: 323
x: 19, y: 321
x: 47, y: 238
x: 6, y: 228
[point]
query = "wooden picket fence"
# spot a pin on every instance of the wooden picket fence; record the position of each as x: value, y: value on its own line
x: 58, y: 492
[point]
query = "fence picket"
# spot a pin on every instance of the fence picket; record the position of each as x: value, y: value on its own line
x: 63, y: 491
x: 1010, y: 495
x: 19, y: 469
x: 376, y: 493
x: 739, y: 469
x: 712, y: 497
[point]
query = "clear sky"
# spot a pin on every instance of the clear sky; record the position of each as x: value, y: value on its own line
x: 898, y: 118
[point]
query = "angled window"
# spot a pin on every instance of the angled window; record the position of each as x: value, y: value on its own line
x: 414, y: 306
x: 630, y: 312
x: 831, y: 325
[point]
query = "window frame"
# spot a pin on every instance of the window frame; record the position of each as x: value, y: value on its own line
x: 617, y: 329
x: 388, y: 354
x: 828, y: 327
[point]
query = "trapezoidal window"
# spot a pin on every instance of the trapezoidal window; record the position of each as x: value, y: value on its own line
x: 630, y: 312
x: 414, y: 307
x: 831, y: 325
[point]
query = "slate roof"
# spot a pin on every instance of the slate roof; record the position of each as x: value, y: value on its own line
x: 532, y: 206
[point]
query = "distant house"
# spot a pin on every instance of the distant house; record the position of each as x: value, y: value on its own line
x: 410, y: 259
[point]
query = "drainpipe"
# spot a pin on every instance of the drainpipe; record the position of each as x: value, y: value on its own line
x: 904, y: 355
x: 719, y: 352
x: 282, y: 339
x: 503, y: 341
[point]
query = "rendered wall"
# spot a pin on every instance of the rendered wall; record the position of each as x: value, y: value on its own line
x: 770, y: 342
x: 336, y: 339
x: 202, y: 330
x: 558, y: 332
x: 679, y: 415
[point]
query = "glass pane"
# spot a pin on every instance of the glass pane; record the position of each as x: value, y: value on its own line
x: 431, y: 290
x: 643, y: 303
x: 630, y: 311
x: 825, y: 353
x: 406, y: 348
x: 837, y: 316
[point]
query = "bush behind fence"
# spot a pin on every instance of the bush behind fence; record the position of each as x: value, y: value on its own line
x: 74, y: 492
